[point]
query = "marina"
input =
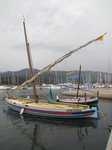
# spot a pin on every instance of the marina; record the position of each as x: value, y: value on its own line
x: 40, y: 133
x: 55, y: 75
x: 44, y: 110
x: 49, y: 110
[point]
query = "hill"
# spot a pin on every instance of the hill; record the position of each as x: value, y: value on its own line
x: 12, y: 77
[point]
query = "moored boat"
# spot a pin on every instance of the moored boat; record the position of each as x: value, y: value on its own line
x: 92, y: 102
x: 46, y: 109
x: 51, y: 110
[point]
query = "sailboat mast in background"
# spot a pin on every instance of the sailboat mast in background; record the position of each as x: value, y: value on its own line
x: 108, y: 71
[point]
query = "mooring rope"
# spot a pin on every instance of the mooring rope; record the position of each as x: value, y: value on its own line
x: 105, y: 119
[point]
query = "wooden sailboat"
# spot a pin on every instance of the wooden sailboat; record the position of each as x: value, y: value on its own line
x: 92, y: 102
x: 43, y: 109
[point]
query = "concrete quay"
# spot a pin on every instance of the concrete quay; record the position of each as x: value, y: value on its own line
x: 109, y: 143
x: 104, y: 93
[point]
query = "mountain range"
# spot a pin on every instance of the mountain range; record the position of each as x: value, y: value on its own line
x: 58, y: 76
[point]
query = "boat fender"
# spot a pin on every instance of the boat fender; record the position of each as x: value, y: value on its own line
x: 57, y: 97
x: 22, y: 111
x: 28, y: 97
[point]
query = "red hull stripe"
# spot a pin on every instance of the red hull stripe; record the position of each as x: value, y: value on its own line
x: 52, y: 112
x: 41, y: 111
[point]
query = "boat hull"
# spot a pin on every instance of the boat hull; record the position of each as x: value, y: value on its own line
x: 92, y: 102
x: 52, y: 112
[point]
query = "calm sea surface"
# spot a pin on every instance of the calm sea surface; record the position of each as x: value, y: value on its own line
x: 28, y: 133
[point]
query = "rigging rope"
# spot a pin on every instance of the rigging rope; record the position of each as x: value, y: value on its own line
x: 47, y: 37
x: 45, y: 94
x: 47, y: 68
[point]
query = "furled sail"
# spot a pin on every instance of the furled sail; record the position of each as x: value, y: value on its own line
x: 46, y: 69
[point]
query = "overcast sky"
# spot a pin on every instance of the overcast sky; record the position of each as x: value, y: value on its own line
x: 55, y: 27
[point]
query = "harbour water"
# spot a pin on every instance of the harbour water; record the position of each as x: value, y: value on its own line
x: 30, y: 133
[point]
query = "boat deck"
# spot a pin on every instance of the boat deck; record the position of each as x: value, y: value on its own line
x: 48, y: 105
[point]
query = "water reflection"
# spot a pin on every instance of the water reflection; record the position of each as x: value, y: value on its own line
x: 29, y: 119
x: 34, y: 139
x: 35, y: 128
x: 82, y: 133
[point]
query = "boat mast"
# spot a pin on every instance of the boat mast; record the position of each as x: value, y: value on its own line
x: 79, y: 81
x: 29, y: 59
